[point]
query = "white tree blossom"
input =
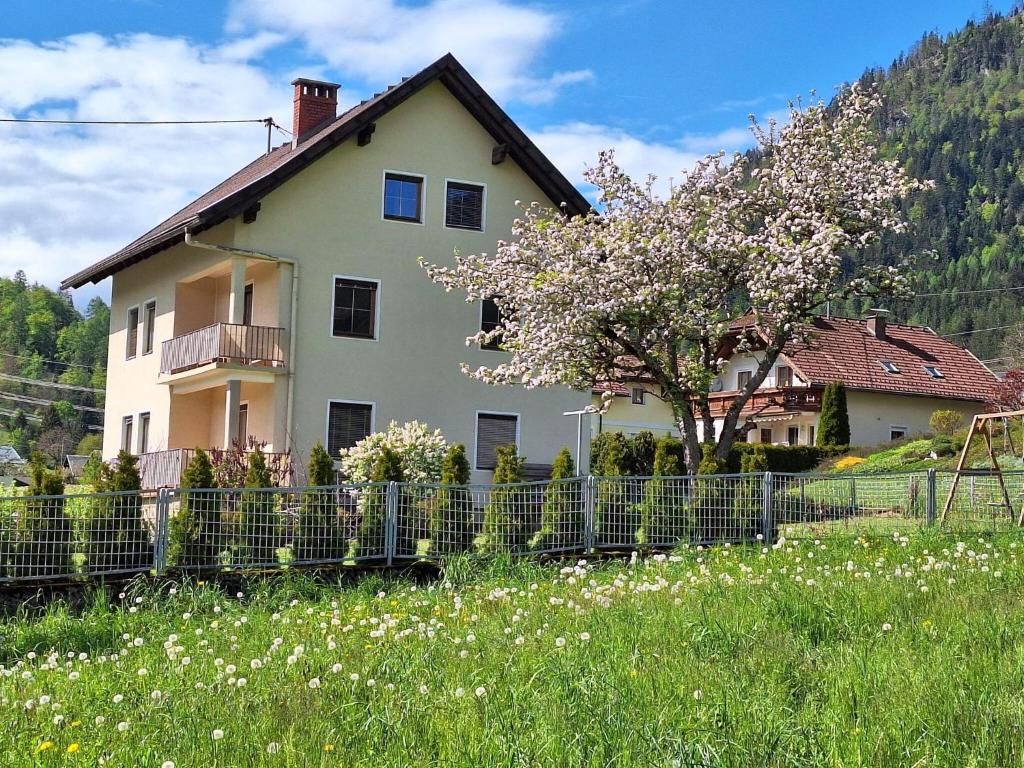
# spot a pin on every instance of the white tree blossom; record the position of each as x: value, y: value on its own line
x: 645, y: 286
x: 420, y: 449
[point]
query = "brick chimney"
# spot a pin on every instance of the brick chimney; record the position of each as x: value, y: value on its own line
x: 315, y: 102
x: 876, y: 322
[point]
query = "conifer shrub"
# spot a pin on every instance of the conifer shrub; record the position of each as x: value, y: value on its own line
x: 117, y: 537
x: 505, y: 527
x: 834, y: 421
x: 194, y: 529
x: 452, y: 524
x: 561, y: 522
x: 640, y: 450
x: 260, y: 524
x: 749, y: 496
x: 710, y: 494
x: 319, y: 534
x: 664, y: 511
x: 387, y: 468
x: 45, y: 534
x: 611, y: 509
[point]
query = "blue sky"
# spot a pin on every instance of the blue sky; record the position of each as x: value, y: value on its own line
x: 663, y: 82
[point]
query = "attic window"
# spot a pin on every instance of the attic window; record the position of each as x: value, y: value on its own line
x: 934, y: 372
x: 889, y: 366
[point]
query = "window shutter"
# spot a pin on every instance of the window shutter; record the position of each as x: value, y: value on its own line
x: 133, y: 333
x: 347, y: 424
x: 464, y: 206
x: 492, y: 430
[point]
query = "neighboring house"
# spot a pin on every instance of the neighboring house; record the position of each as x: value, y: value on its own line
x: 9, y: 456
x: 74, y: 464
x: 287, y: 305
x: 895, y: 376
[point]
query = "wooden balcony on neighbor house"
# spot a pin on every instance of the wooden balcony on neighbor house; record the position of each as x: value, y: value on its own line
x: 770, y: 400
x: 247, y: 345
x: 164, y: 469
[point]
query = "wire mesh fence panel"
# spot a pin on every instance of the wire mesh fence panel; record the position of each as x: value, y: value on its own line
x: 870, y: 504
x: 48, y: 537
x: 978, y: 502
x: 275, y: 527
x: 510, y: 517
x: 662, y: 512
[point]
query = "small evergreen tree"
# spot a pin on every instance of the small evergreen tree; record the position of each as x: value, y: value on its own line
x: 748, y: 506
x: 261, y: 530
x: 611, y: 519
x: 561, y: 522
x: 387, y: 468
x: 505, y: 523
x: 639, y: 458
x: 45, y: 533
x: 194, y: 528
x: 709, y: 498
x: 834, y: 422
x: 664, y: 512
x: 92, y: 473
x: 117, y: 538
x: 452, y: 518
x: 319, y: 536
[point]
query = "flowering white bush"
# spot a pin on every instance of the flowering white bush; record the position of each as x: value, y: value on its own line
x: 421, y: 450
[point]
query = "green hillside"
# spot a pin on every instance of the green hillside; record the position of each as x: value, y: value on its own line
x: 954, y: 113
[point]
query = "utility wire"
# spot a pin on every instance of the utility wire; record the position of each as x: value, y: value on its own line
x: 263, y: 120
x: 50, y: 362
x: 956, y: 291
x: 50, y: 384
x: 979, y: 330
x: 43, y: 401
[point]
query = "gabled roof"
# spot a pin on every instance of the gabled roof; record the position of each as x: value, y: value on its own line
x: 842, y: 349
x: 237, y: 193
x: 10, y: 455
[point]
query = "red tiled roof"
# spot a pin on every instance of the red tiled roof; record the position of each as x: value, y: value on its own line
x: 238, y: 192
x: 842, y: 349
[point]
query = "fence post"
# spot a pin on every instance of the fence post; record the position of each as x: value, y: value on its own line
x: 930, y: 499
x: 391, y: 525
x: 767, y: 516
x: 588, y: 513
x: 160, y: 534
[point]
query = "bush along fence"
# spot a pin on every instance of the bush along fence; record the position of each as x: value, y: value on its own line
x: 51, y: 535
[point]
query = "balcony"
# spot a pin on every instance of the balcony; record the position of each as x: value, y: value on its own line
x: 164, y: 469
x: 770, y: 400
x: 247, y: 346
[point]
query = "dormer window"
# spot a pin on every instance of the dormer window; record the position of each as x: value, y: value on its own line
x: 934, y: 372
x: 889, y: 366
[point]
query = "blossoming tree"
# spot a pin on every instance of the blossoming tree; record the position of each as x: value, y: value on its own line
x: 645, y: 286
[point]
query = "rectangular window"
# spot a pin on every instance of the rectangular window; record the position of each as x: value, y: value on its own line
x: 897, y: 433
x: 347, y: 424
x: 492, y: 430
x: 743, y: 378
x: 490, y: 320
x: 810, y: 435
x: 403, y: 197
x: 148, y: 321
x: 132, y: 345
x: 934, y: 372
x: 355, y: 308
x: 243, y: 423
x: 637, y: 395
x: 143, y: 432
x: 793, y: 435
x: 247, y: 305
x: 464, y: 206
x: 783, y: 376
x: 766, y: 435
x: 126, y: 433
x: 889, y: 366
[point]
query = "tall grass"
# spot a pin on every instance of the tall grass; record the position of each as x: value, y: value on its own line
x: 839, y: 652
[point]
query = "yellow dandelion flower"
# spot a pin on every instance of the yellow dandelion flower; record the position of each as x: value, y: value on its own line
x: 44, y: 746
x: 328, y: 747
x: 73, y: 747
x: 75, y: 722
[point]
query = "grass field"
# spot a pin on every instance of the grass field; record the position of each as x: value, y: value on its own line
x: 843, y: 652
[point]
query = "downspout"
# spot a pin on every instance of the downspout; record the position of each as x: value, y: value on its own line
x: 260, y: 256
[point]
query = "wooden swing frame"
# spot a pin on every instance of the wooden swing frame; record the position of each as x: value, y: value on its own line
x: 982, y: 423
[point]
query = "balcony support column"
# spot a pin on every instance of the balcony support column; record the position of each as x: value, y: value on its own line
x: 232, y: 401
x: 285, y: 316
x: 236, y: 300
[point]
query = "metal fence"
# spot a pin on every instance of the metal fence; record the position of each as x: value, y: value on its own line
x: 78, y: 536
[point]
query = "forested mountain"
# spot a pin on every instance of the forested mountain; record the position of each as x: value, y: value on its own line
x: 954, y: 113
x: 45, y: 341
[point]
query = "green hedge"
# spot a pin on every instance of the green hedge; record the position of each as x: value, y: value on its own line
x: 783, y: 458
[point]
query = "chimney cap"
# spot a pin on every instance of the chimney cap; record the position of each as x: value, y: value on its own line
x: 309, y: 81
x: 878, y: 312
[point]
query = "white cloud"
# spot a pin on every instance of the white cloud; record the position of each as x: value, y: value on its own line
x: 71, y: 195
x: 384, y: 40
x: 575, y: 146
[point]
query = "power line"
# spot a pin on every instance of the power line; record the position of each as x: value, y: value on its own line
x: 51, y: 384
x: 979, y: 330
x: 263, y: 120
x: 957, y: 292
x: 43, y: 401
x: 44, y: 360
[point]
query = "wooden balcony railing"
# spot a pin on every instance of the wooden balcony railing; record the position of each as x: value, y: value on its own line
x: 255, y: 345
x: 771, y: 400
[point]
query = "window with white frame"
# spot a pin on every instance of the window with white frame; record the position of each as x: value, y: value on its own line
x: 132, y: 344
x: 898, y: 433
x: 464, y: 205
x: 783, y: 376
x: 347, y: 424
x: 148, y: 323
x: 127, y: 428
x: 493, y: 430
